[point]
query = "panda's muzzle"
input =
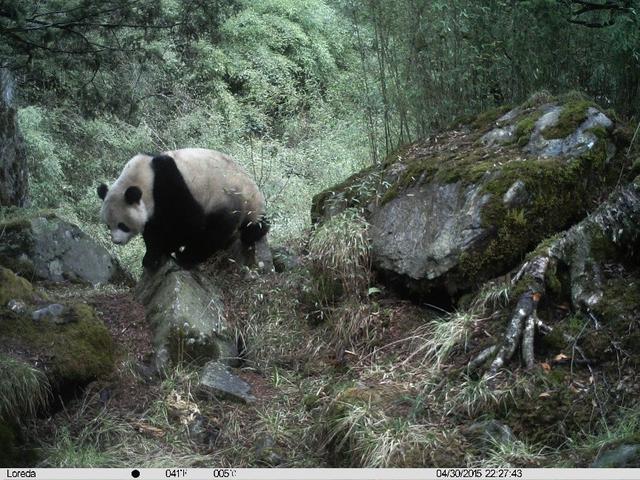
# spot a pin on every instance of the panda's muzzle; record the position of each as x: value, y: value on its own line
x: 120, y: 238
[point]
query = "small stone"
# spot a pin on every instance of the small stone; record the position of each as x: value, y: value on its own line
x: 50, y: 312
x: 217, y: 381
x: 16, y: 306
x: 266, y: 451
x: 203, y: 431
x: 499, y: 136
x: 492, y: 431
x: 517, y: 195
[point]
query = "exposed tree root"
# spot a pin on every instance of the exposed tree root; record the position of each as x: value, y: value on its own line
x: 615, y: 224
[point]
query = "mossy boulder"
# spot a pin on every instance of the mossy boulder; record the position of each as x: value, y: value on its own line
x: 464, y: 206
x: 70, y: 353
x: 43, y: 357
x: 186, y: 314
x: 43, y: 246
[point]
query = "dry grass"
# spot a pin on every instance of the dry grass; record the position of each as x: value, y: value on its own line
x: 513, y: 454
x: 437, y: 340
x: 362, y: 435
x: 340, y: 248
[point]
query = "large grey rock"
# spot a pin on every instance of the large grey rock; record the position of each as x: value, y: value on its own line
x: 13, y: 160
x: 186, y: 314
x: 48, y: 248
x: 454, y: 210
x: 421, y: 233
x: 217, y: 381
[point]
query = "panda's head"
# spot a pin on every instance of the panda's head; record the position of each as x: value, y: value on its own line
x: 124, y: 211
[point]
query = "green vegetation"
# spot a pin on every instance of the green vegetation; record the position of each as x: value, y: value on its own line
x: 525, y: 126
x: 302, y: 94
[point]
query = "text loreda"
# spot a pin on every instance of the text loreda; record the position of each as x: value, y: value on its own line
x: 21, y: 473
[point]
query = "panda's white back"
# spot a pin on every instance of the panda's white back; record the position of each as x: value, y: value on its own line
x: 212, y: 176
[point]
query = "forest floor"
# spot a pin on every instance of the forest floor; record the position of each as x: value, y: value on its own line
x: 375, y: 381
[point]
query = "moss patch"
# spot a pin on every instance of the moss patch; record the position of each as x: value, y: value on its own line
x: 571, y: 117
x: 13, y: 287
x: 486, y: 120
x: 550, y: 419
x: 77, y: 351
x: 560, y: 194
x: 525, y: 126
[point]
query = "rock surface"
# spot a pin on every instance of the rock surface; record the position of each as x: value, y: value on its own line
x: 217, y: 381
x: 623, y: 456
x: 421, y: 233
x: 186, y: 315
x: 13, y: 159
x: 457, y: 209
x: 48, y: 248
x: 284, y: 259
x: 490, y: 432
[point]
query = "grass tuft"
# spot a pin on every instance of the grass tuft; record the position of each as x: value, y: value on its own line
x: 23, y: 389
x: 339, y: 248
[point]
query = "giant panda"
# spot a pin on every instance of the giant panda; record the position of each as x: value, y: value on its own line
x: 190, y: 202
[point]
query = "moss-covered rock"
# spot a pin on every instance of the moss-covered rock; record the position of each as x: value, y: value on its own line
x: 13, y: 287
x: 71, y: 353
x: 186, y: 315
x: 467, y: 205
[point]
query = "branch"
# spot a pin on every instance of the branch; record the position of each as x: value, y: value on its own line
x: 613, y: 7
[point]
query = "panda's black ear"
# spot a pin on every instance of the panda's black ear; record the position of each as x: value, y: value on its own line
x: 133, y: 195
x: 102, y: 191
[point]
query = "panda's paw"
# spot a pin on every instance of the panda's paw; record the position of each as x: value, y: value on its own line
x: 152, y: 262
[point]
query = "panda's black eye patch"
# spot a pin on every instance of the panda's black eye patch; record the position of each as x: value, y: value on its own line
x: 124, y: 228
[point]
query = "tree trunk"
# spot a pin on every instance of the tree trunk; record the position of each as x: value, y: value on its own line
x: 13, y: 160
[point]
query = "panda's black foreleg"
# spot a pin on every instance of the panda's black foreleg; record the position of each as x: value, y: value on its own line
x: 153, y: 260
x: 157, y: 252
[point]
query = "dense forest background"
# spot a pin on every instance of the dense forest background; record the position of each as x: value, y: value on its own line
x: 301, y: 92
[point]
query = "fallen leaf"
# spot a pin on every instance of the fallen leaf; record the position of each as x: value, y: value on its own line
x: 149, y: 430
x: 560, y: 357
x: 545, y: 366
